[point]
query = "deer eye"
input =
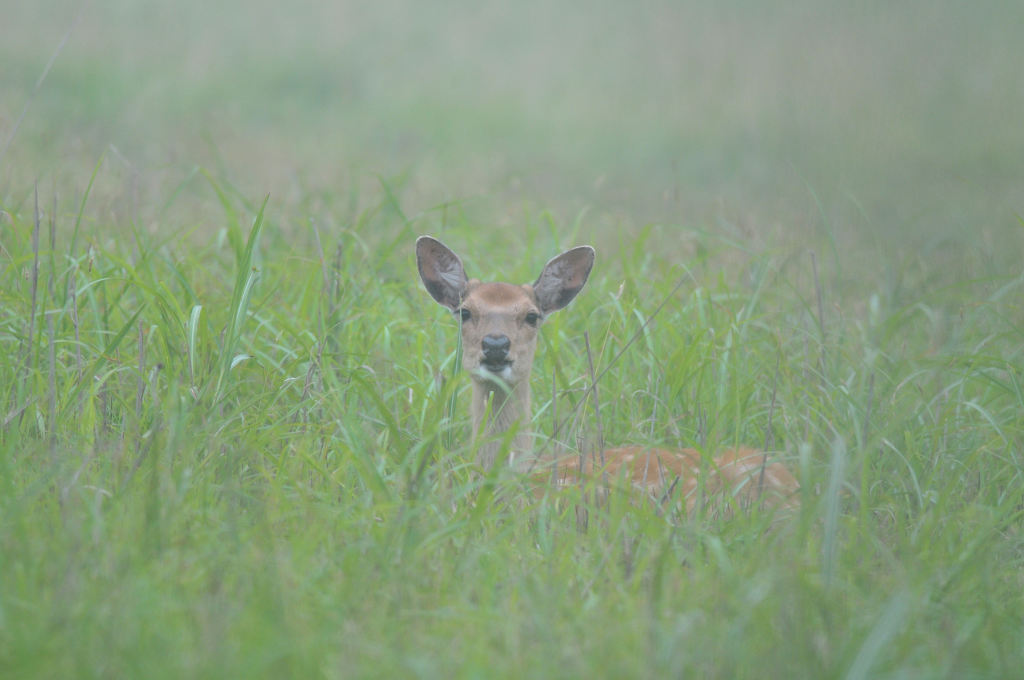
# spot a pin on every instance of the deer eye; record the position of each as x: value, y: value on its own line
x: 532, y: 318
x: 465, y: 314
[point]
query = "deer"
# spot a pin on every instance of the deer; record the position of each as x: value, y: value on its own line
x: 499, y: 323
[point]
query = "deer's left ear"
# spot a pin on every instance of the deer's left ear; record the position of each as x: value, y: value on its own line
x: 563, y: 278
x: 441, y: 271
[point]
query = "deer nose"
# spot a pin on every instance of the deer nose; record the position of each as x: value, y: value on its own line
x: 495, y: 347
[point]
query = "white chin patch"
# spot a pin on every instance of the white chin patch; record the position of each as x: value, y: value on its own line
x: 502, y: 376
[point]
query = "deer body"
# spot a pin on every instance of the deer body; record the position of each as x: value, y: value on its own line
x: 499, y: 324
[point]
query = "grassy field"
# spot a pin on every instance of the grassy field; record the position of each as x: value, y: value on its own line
x: 233, y: 439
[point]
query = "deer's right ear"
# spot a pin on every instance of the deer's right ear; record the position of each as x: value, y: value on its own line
x: 563, y: 277
x: 441, y: 271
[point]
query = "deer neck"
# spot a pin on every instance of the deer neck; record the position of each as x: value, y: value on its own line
x: 495, y: 411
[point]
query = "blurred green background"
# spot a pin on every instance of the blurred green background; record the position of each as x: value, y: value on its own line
x: 278, y: 525
x: 882, y: 126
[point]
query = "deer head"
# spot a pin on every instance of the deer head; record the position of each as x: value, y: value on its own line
x: 499, y: 324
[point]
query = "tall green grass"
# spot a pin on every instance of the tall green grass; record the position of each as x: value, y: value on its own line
x: 233, y: 432
x: 240, y: 459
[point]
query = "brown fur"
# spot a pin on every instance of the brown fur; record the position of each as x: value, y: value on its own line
x: 501, y: 391
x: 664, y: 475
